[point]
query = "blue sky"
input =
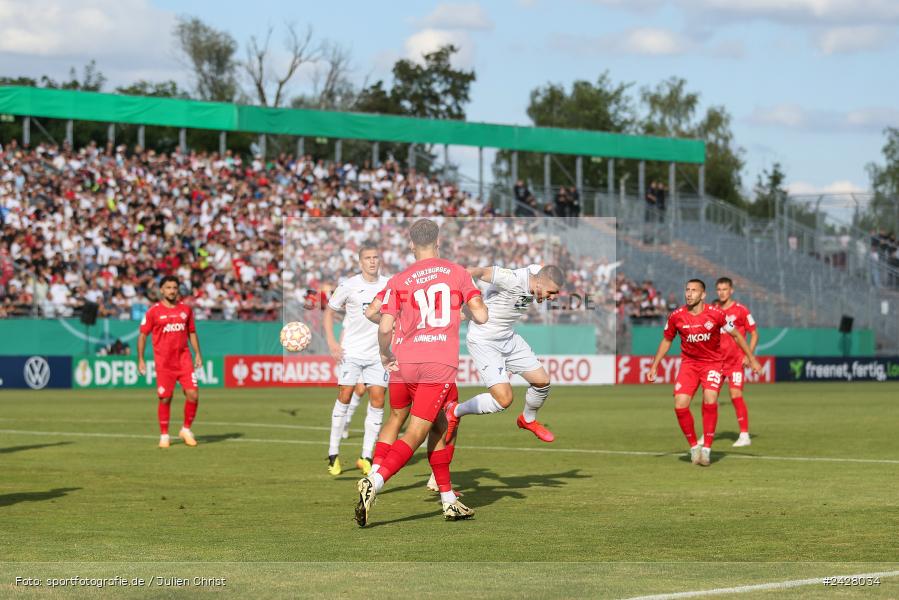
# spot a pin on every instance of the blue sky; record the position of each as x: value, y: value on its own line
x: 810, y: 83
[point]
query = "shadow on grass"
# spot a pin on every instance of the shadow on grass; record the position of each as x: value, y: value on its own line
x: 732, y: 436
x: 11, y: 449
x: 15, y: 498
x: 220, y: 437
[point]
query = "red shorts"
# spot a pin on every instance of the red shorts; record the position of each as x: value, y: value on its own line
x: 692, y: 374
x: 166, y: 378
x: 426, y: 386
x: 733, y: 372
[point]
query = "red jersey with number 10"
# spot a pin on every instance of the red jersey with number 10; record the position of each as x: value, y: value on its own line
x: 426, y: 300
x: 700, y: 334
x: 170, y: 327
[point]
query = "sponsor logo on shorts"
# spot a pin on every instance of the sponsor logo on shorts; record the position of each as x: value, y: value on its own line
x: 160, y: 390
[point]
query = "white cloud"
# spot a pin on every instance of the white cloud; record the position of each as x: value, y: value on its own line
x: 430, y: 40
x: 640, y: 41
x: 848, y: 40
x: 793, y: 116
x: 838, y: 12
x: 467, y: 16
x: 125, y: 37
x: 843, y: 186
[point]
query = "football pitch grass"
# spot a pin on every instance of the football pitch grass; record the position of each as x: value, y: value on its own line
x: 612, y: 509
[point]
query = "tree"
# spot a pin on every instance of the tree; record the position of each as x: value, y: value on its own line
x: 210, y: 55
x: 300, y: 50
x: 671, y: 112
x: 600, y: 106
x: 161, y: 89
x: 432, y: 89
x: 884, y: 206
x: 770, y: 193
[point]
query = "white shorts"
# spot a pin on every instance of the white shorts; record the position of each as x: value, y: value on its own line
x: 351, y: 371
x: 496, y: 359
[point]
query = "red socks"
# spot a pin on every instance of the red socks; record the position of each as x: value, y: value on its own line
x: 709, y: 422
x: 440, y: 462
x: 163, y: 411
x: 685, y: 420
x: 742, y: 413
x: 382, y: 449
x: 451, y: 449
x: 399, y: 455
x: 190, y: 411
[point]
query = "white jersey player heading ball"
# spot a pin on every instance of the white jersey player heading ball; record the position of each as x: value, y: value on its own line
x: 497, y: 350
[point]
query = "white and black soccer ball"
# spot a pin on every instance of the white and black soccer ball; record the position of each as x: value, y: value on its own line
x: 295, y: 336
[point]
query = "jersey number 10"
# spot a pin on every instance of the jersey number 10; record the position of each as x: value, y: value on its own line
x: 427, y: 305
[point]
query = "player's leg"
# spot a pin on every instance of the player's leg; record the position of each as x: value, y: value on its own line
x: 735, y: 381
x: 533, y: 401
x: 684, y: 387
x: 348, y: 373
x: 491, y: 367
x: 164, y: 391
x: 449, y: 439
x: 711, y: 385
x: 188, y: 381
x: 373, y: 419
x: 400, y: 405
x: 440, y: 457
x: 355, y: 399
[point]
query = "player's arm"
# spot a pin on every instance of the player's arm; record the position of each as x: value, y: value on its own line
x: 664, y: 347
x: 333, y: 344
x: 484, y: 274
x: 141, y: 348
x: 477, y: 309
x: 741, y: 343
x: 195, y: 344
x: 373, y: 311
x: 753, y: 343
x: 385, y: 334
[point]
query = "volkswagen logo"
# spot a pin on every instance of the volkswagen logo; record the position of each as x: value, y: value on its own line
x: 37, y: 372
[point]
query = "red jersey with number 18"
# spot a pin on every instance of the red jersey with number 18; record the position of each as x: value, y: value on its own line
x: 426, y: 300
x: 700, y: 334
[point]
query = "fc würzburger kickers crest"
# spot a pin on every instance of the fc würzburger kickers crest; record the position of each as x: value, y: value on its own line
x: 709, y: 325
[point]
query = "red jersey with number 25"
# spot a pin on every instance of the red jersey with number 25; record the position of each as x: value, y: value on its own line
x: 740, y: 317
x: 426, y: 300
x: 170, y: 327
x: 700, y: 334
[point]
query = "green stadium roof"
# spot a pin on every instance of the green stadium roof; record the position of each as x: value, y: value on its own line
x: 171, y: 112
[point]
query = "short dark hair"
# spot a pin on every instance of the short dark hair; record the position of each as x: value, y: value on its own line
x: 699, y: 281
x: 725, y: 281
x: 169, y: 278
x: 424, y: 232
x: 368, y: 245
x: 553, y: 273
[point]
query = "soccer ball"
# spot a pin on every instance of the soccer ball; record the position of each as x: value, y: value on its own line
x: 295, y: 336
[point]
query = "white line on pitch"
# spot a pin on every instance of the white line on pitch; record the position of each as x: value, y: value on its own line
x: 497, y: 448
x: 761, y: 587
x: 222, y: 423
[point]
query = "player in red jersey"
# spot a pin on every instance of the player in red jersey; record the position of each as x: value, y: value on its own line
x: 425, y: 303
x: 700, y: 326
x: 171, y: 322
x: 734, y: 360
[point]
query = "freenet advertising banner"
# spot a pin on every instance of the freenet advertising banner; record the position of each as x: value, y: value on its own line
x: 816, y: 368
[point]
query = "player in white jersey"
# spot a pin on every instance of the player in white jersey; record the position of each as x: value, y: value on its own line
x: 497, y: 350
x: 357, y: 355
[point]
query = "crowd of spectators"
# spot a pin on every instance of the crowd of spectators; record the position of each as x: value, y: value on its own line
x: 103, y: 224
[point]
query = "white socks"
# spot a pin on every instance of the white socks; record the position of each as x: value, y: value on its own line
x: 377, y: 480
x: 338, y: 418
x: 351, y: 410
x: 373, y: 419
x: 482, y: 404
x: 533, y: 400
x: 447, y: 497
